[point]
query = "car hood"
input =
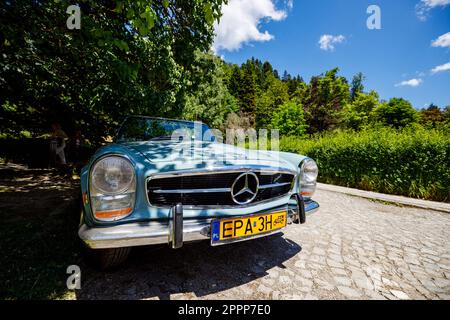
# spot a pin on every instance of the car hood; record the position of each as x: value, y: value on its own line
x: 200, y: 154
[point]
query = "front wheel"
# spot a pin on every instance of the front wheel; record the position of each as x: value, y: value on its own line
x: 105, y: 259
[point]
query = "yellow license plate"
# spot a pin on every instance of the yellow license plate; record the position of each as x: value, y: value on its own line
x: 234, y: 229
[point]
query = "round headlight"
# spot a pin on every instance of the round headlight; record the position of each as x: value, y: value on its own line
x: 113, y: 175
x: 309, y: 171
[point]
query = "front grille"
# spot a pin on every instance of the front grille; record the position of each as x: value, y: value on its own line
x: 212, y: 189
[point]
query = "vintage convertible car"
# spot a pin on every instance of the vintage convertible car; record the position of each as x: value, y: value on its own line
x: 171, y: 181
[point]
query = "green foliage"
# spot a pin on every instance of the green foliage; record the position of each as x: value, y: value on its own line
x: 270, y: 99
x: 233, y: 76
x: 412, y: 161
x: 323, y: 100
x: 432, y: 116
x: 289, y: 119
x: 247, y: 92
x: 129, y: 57
x: 295, y: 86
x: 210, y: 101
x: 357, y: 85
x: 397, y: 113
x: 260, y: 91
x: 357, y: 113
x: 446, y: 114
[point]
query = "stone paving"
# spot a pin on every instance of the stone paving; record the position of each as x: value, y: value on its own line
x: 352, y: 248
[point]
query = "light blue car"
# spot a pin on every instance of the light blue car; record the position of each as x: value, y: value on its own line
x: 171, y: 181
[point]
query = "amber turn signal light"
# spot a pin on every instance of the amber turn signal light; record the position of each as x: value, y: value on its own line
x: 112, y: 213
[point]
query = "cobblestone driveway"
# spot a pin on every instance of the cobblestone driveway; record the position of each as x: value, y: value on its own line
x: 351, y: 249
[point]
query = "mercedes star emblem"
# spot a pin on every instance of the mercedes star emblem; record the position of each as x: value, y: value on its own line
x: 245, y: 188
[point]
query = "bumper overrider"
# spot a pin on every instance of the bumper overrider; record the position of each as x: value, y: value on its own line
x: 176, y: 231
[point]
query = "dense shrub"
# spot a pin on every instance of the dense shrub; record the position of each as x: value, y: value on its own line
x: 289, y: 119
x: 397, y: 112
x: 413, y: 161
x: 357, y: 113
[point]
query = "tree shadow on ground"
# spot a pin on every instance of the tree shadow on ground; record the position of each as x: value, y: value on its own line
x: 38, y: 210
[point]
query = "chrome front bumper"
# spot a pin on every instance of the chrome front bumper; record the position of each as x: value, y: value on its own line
x: 156, y: 232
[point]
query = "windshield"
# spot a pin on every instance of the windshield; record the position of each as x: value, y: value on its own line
x: 146, y: 129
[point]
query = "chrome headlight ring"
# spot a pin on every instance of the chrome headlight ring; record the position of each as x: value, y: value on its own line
x: 112, y: 187
x: 307, y: 178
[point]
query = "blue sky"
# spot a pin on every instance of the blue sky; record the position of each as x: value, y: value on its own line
x: 397, y: 60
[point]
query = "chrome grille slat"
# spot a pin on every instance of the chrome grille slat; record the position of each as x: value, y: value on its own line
x: 212, y: 190
x: 274, y: 185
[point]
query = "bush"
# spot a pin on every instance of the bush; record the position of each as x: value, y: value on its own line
x: 289, y: 119
x: 412, y: 161
x: 356, y: 114
x: 397, y: 113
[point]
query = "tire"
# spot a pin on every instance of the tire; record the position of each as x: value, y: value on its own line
x: 107, y: 259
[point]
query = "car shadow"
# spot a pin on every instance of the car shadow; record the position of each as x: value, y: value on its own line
x: 159, y: 272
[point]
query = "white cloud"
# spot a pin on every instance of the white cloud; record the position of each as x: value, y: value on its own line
x: 327, y: 41
x: 240, y: 23
x: 441, y: 68
x: 424, y: 6
x: 435, y: 3
x: 410, y: 83
x: 290, y: 4
x: 443, y: 41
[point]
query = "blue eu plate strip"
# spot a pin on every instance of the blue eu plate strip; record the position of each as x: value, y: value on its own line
x: 215, y: 230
